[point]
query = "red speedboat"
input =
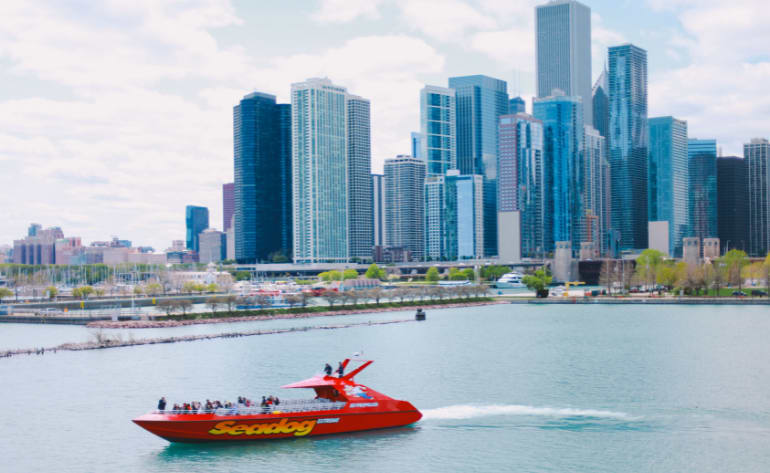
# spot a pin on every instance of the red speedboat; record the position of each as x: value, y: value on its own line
x: 340, y: 405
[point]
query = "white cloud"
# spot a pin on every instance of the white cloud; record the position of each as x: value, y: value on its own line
x: 343, y: 11
x: 514, y: 47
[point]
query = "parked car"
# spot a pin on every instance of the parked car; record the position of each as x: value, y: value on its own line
x: 739, y: 293
x: 758, y: 292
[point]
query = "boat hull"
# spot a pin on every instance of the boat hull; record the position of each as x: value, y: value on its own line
x: 240, y: 428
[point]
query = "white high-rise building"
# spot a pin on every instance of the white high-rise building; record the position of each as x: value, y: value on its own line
x: 331, y: 166
x: 378, y: 209
x: 405, y: 205
x: 563, y: 49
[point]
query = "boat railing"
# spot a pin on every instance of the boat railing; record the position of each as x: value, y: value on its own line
x: 288, y: 406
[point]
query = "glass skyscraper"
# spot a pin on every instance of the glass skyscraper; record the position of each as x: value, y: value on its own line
x: 416, y: 139
x: 520, y: 180
x: 628, y: 144
x: 594, y: 173
x: 196, y: 220
x: 563, y: 50
x: 669, y: 179
x: 262, y: 186
x: 228, y: 205
x: 564, y: 170
x: 601, y: 105
x: 703, y: 188
x: 360, y: 230
x: 378, y: 209
x: 436, y: 232
x: 517, y: 105
x: 481, y: 100
x: 438, y: 129
x: 757, y: 155
x: 454, y: 226
x: 733, y: 203
x: 405, y: 204
x: 320, y: 172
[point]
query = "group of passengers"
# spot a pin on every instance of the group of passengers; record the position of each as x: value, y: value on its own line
x: 195, y: 407
x: 340, y: 370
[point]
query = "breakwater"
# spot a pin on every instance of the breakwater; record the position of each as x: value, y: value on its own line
x: 645, y: 301
x: 300, y: 315
x: 103, y: 341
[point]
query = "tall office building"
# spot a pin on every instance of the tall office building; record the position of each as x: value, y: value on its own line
x: 416, y: 140
x: 563, y: 145
x: 262, y: 170
x: 331, y: 167
x: 595, y: 170
x: 517, y: 105
x: 405, y: 205
x: 628, y: 144
x: 481, y: 100
x: 213, y: 246
x: 438, y: 129
x: 196, y: 220
x: 757, y: 155
x: 601, y: 104
x: 454, y: 226
x: 228, y: 204
x: 563, y: 49
x: 521, y: 184
x: 435, y: 218
x: 733, y: 203
x: 669, y: 179
x: 360, y: 231
x: 378, y: 209
x: 703, y: 188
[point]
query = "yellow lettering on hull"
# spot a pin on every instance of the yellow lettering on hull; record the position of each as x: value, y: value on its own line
x: 284, y: 426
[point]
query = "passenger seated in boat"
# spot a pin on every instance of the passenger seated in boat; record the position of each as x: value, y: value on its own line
x: 209, y: 406
x: 328, y: 369
x: 264, y: 405
x: 176, y: 407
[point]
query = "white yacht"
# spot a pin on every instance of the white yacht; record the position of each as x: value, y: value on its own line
x: 510, y: 281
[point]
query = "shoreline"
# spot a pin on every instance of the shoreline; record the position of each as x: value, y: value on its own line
x: 139, y: 324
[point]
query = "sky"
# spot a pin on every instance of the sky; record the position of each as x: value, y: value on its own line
x: 114, y: 115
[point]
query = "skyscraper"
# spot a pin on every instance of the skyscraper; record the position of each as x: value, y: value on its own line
x: 213, y: 246
x: 521, y: 184
x: 360, y: 231
x: 416, y: 139
x: 733, y: 203
x: 564, y: 178
x: 703, y: 187
x: 669, y: 179
x: 435, y: 218
x: 517, y: 105
x: 594, y: 188
x: 454, y: 226
x: 262, y: 170
x: 481, y: 100
x: 628, y: 144
x: 405, y: 204
x: 757, y: 155
x: 228, y: 204
x: 438, y: 129
x: 601, y: 104
x: 196, y: 220
x: 378, y: 209
x: 563, y: 44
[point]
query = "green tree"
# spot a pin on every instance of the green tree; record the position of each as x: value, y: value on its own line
x: 213, y: 287
x: 82, y: 292
x: 647, y: 265
x: 495, y: 272
x: 242, y: 275
x: 5, y: 292
x: 469, y: 274
x: 538, y: 282
x: 456, y: 275
x: 432, y: 274
x: 52, y: 292
x: 667, y: 275
x: 350, y: 274
x: 138, y: 290
x: 374, y: 272
x: 190, y: 286
x: 153, y: 289
x: 734, y: 261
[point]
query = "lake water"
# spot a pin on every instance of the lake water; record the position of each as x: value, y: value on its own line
x: 502, y: 388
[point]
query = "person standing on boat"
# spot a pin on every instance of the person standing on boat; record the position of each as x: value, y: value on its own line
x: 328, y: 369
x: 162, y: 404
x: 340, y: 370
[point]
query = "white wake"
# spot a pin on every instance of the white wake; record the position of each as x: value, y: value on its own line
x: 467, y: 411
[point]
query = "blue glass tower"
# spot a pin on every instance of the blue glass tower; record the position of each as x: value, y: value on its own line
x: 564, y: 170
x: 481, y: 100
x: 438, y: 129
x: 517, y: 105
x: 196, y: 220
x: 262, y: 151
x: 669, y: 178
x: 628, y: 144
x: 703, y: 188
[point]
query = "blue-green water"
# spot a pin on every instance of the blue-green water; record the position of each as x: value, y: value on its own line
x: 503, y: 388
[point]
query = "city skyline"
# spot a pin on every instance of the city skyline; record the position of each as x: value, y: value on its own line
x: 111, y: 165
